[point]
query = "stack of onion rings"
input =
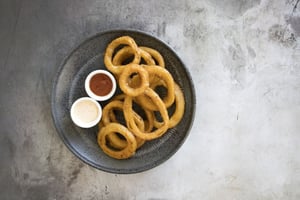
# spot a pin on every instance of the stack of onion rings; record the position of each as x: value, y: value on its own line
x: 139, y: 71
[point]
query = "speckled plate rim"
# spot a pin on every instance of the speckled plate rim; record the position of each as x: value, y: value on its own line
x: 74, y: 150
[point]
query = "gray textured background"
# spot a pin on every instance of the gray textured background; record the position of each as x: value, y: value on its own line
x: 244, y: 58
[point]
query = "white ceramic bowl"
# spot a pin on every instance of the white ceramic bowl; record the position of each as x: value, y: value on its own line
x: 86, y: 112
x: 94, y: 95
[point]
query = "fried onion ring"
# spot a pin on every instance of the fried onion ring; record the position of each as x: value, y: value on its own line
x: 119, y: 143
x: 124, y: 40
x: 128, y: 112
x: 130, y: 148
x: 179, y: 110
x: 149, y: 123
x: 108, y: 117
x: 156, y: 55
x: 126, y: 52
x: 164, y: 75
x: 131, y: 69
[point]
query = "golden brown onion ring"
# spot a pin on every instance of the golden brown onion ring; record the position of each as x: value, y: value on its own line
x: 119, y: 97
x: 108, y: 117
x: 146, y: 124
x: 156, y: 55
x: 128, y: 112
x: 124, y: 40
x: 124, y: 78
x: 179, y: 109
x: 119, y: 143
x: 139, y: 142
x: 116, y: 142
x: 130, y: 148
x: 126, y: 52
x: 165, y: 76
x: 107, y: 110
x: 149, y: 123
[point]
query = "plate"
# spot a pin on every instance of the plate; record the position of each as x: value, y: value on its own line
x: 69, y: 86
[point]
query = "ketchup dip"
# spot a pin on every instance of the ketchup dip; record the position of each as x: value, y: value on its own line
x: 100, y: 85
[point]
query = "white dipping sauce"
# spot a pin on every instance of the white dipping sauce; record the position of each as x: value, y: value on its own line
x: 86, y: 112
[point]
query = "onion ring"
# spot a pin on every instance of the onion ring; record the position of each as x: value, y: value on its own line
x: 149, y: 123
x: 169, y: 84
x: 108, y: 117
x: 130, y: 148
x: 119, y: 97
x: 133, y: 127
x: 118, y: 143
x: 156, y: 55
x: 125, y: 77
x: 126, y: 52
x: 146, y: 125
x: 124, y: 40
x: 179, y: 110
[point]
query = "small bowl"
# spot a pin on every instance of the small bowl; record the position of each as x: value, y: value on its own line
x: 100, y: 85
x: 86, y: 112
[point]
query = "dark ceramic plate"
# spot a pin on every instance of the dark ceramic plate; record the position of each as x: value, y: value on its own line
x: 69, y: 86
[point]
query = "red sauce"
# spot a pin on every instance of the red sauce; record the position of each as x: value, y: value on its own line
x: 101, y: 84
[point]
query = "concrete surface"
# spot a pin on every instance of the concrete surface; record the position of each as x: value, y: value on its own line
x: 244, y: 58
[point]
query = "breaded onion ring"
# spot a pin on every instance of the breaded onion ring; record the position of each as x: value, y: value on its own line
x: 124, y: 78
x: 165, y: 76
x: 126, y: 52
x: 119, y: 97
x: 179, y: 109
x: 124, y: 40
x: 118, y: 142
x: 130, y: 148
x: 128, y: 112
x: 108, y: 117
x: 156, y: 55
x: 149, y: 123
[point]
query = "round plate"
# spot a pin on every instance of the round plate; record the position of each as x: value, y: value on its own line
x: 69, y: 86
